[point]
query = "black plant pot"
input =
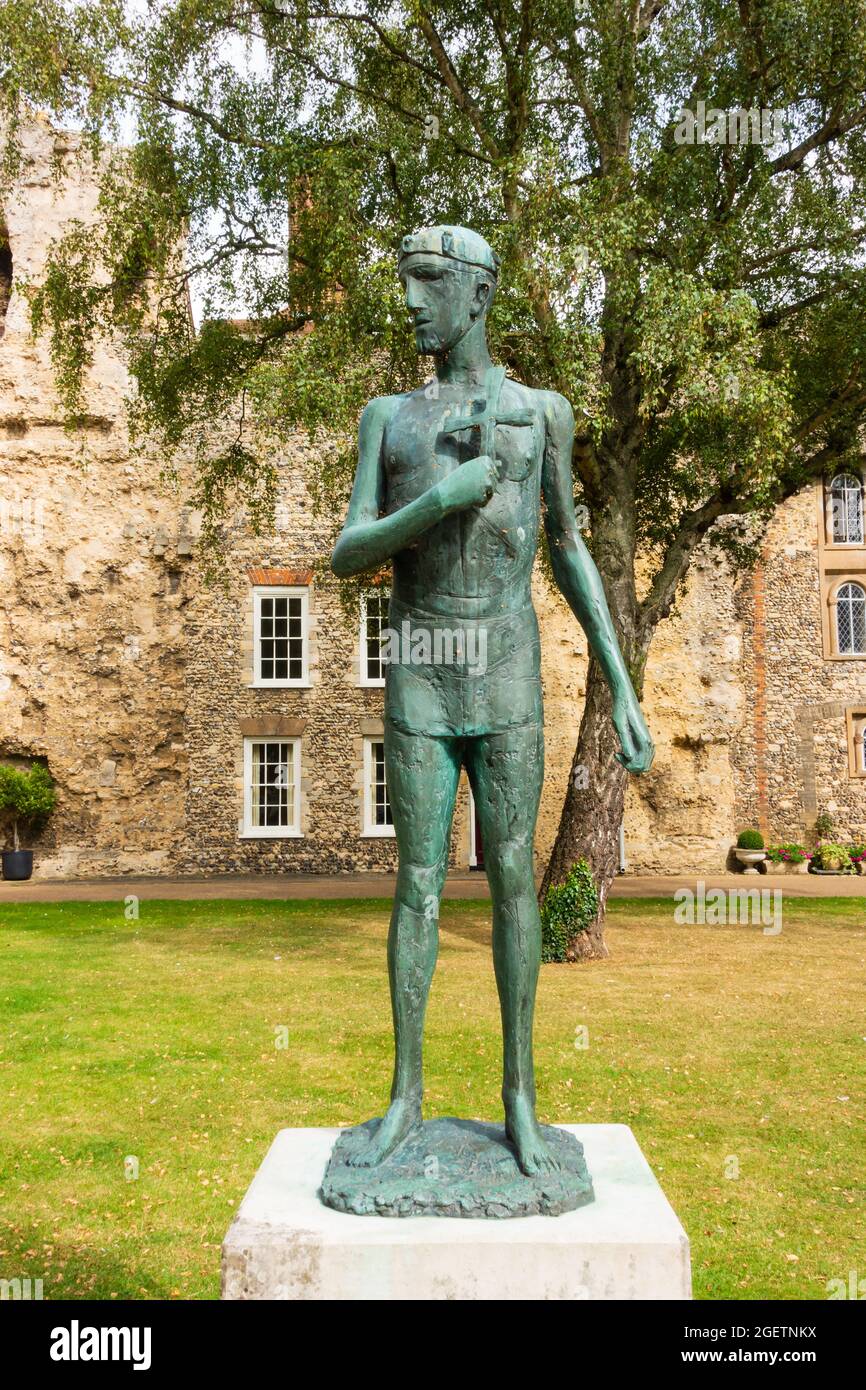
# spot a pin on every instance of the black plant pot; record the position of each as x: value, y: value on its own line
x: 17, y: 864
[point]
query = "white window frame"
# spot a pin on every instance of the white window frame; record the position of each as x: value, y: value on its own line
x: 271, y: 832
x: 281, y: 591
x: 845, y: 583
x: 370, y: 829
x: 858, y: 488
x: 363, y: 678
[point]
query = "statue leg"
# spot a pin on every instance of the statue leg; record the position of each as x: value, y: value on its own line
x: 506, y: 771
x: 422, y: 777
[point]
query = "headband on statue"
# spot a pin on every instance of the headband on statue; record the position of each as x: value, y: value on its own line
x: 454, y: 244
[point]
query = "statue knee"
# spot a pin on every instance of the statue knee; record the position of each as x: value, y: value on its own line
x: 509, y: 869
x: 419, y: 886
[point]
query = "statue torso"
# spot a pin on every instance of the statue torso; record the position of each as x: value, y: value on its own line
x: 475, y: 563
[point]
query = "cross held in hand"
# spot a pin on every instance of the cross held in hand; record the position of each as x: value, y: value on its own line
x: 488, y: 416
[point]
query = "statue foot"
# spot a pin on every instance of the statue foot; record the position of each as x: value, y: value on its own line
x: 522, y: 1128
x: 402, y: 1118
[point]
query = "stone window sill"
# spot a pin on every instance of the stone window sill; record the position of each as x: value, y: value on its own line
x: 270, y: 834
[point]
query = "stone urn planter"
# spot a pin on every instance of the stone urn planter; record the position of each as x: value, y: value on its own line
x: 750, y: 859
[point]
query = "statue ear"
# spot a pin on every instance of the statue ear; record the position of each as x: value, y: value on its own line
x: 482, y: 297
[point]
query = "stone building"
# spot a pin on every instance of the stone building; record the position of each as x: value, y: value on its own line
x: 194, y: 729
x: 802, y: 747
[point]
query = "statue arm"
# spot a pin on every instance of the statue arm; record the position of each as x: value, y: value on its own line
x: 367, y: 538
x: 577, y: 577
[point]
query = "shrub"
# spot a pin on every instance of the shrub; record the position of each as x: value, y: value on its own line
x: 26, y: 799
x: 567, y: 910
x: 823, y: 826
x: 750, y: 839
x: 856, y: 853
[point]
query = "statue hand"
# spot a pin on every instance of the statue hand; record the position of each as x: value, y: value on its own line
x: 470, y: 485
x: 637, y: 746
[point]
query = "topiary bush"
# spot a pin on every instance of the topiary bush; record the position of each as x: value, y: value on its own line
x: 750, y: 839
x: 567, y: 910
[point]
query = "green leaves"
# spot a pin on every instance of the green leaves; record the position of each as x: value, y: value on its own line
x: 26, y: 798
x: 701, y: 304
x: 568, y: 909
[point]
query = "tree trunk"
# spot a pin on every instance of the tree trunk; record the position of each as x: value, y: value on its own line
x: 592, y: 814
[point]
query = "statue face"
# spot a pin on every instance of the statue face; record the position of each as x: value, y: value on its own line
x: 444, y: 300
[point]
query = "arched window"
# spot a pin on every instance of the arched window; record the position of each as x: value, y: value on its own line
x: 851, y: 620
x: 845, y: 499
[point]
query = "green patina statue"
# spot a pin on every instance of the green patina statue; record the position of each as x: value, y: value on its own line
x: 449, y: 486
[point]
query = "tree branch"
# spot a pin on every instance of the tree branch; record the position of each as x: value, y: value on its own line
x: 835, y: 126
x: 461, y: 98
x: 773, y: 317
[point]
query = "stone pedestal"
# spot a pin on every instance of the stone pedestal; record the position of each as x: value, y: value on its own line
x: 285, y: 1244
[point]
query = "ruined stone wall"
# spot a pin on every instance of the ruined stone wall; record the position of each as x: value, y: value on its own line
x: 92, y: 577
x: 680, y: 815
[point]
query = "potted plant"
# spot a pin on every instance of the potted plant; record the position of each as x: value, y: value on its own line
x: 776, y: 862
x: 831, y: 859
x: 789, y: 858
x: 799, y: 858
x: 26, y: 801
x: 857, y: 855
x: 750, y: 850
x: 823, y: 827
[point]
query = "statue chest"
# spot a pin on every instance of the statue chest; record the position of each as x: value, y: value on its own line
x: 421, y: 450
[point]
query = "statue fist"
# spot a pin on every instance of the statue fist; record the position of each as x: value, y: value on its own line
x: 470, y: 485
x: 637, y: 745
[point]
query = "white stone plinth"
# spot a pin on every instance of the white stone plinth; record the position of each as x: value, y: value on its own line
x: 284, y: 1244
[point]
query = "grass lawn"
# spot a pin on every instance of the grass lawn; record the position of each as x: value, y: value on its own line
x: 738, y: 1059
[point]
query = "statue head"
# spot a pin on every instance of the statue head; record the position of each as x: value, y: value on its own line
x: 449, y: 275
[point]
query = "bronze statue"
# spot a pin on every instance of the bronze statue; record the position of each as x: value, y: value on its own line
x: 449, y: 488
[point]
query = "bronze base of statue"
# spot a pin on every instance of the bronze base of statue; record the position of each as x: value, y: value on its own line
x: 458, y: 1168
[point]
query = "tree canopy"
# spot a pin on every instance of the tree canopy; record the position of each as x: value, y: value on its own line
x: 701, y: 304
